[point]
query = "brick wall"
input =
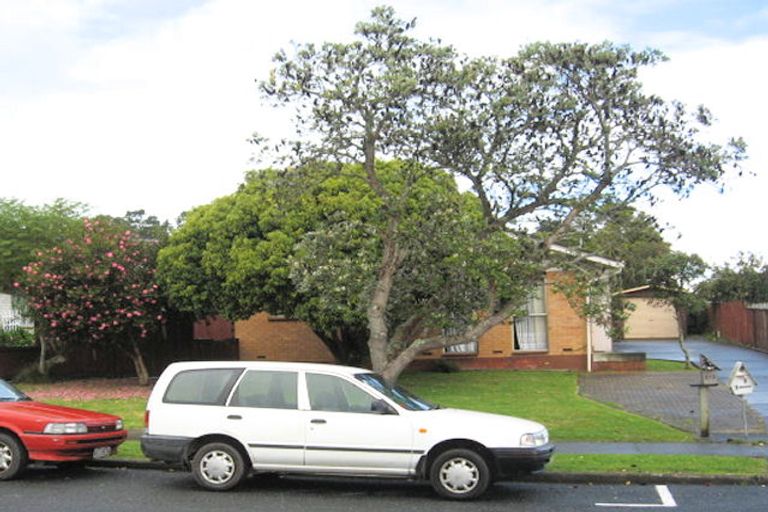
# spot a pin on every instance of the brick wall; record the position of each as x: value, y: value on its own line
x: 265, y: 337
x: 567, y: 330
x: 269, y: 338
x: 213, y: 328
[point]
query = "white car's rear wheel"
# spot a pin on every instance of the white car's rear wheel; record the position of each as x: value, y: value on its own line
x: 218, y: 466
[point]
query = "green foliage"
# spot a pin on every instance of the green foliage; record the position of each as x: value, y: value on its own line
x: 24, y: 230
x: 746, y: 280
x: 306, y: 243
x: 16, y: 337
x: 622, y: 233
x: 673, y: 277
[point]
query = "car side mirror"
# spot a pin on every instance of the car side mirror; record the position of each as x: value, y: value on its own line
x: 382, y: 407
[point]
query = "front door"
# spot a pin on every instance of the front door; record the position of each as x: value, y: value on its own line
x: 346, y: 434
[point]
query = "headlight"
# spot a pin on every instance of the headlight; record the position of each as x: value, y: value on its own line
x: 119, y: 425
x: 536, y: 439
x: 65, y: 428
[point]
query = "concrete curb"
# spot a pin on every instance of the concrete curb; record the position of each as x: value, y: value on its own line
x: 131, y: 464
x: 542, y: 477
x: 642, y: 479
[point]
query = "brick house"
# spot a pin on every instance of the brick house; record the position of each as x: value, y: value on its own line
x: 551, y: 336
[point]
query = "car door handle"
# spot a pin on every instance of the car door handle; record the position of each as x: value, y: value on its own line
x: 318, y: 421
x: 234, y: 417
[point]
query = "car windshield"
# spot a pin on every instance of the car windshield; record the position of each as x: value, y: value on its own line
x: 400, y: 396
x: 8, y: 393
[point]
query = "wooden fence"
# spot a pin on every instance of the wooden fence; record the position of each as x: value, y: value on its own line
x: 735, y: 321
x: 107, y: 361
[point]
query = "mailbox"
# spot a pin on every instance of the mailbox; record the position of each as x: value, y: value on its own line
x: 709, y: 377
x: 708, y: 371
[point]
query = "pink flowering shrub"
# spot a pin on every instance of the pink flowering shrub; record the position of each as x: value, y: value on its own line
x: 99, y: 288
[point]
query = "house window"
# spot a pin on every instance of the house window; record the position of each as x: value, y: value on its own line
x: 468, y: 348
x: 530, y: 331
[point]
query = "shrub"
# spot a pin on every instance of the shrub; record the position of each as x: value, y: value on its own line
x: 16, y: 337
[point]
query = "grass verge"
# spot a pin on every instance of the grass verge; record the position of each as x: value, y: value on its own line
x: 130, y: 409
x: 705, y: 465
x: 660, y: 365
x: 130, y: 450
x: 550, y: 398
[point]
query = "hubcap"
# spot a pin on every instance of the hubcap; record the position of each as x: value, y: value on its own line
x: 217, y: 467
x: 459, y: 475
x: 6, y: 457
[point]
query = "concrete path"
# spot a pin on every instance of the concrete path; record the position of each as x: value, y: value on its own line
x: 724, y: 355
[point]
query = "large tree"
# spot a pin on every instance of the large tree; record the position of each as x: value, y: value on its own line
x: 745, y: 280
x: 303, y: 243
x: 539, y: 138
x: 97, y: 288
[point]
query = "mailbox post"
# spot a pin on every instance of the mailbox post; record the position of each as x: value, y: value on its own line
x: 707, y: 379
x: 741, y: 383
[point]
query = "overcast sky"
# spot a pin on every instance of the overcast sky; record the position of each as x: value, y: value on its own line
x: 148, y: 104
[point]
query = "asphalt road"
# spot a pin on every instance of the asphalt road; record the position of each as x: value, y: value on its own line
x: 126, y: 490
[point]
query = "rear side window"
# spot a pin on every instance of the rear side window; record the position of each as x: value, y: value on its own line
x: 202, y: 387
x: 267, y: 389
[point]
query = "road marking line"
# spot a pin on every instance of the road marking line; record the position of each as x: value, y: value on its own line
x: 667, y: 501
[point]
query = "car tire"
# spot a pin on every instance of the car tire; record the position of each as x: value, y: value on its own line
x: 13, y: 457
x: 218, y: 466
x: 460, y: 474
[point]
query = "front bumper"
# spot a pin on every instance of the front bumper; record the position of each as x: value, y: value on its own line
x: 511, y: 462
x: 70, y: 447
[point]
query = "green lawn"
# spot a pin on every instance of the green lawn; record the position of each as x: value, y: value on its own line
x: 659, y: 464
x: 550, y: 398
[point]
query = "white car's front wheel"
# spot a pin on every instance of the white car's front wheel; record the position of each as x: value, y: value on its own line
x: 218, y: 466
x: 460, y: 474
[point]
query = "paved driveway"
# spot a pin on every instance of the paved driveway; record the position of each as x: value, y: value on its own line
x: 724, y: 355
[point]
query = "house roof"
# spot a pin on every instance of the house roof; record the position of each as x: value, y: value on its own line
x: 600, y: 260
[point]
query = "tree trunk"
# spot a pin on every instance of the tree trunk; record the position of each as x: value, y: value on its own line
x: 682, y: 317
x: 378, y: 337
x: 42, y: 368
x: 138, y: 364
x: 395, y: 367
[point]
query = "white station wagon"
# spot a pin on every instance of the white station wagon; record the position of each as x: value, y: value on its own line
x: 224, y: 420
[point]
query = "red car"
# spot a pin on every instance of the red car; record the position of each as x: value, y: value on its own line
x: 33, y: 431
